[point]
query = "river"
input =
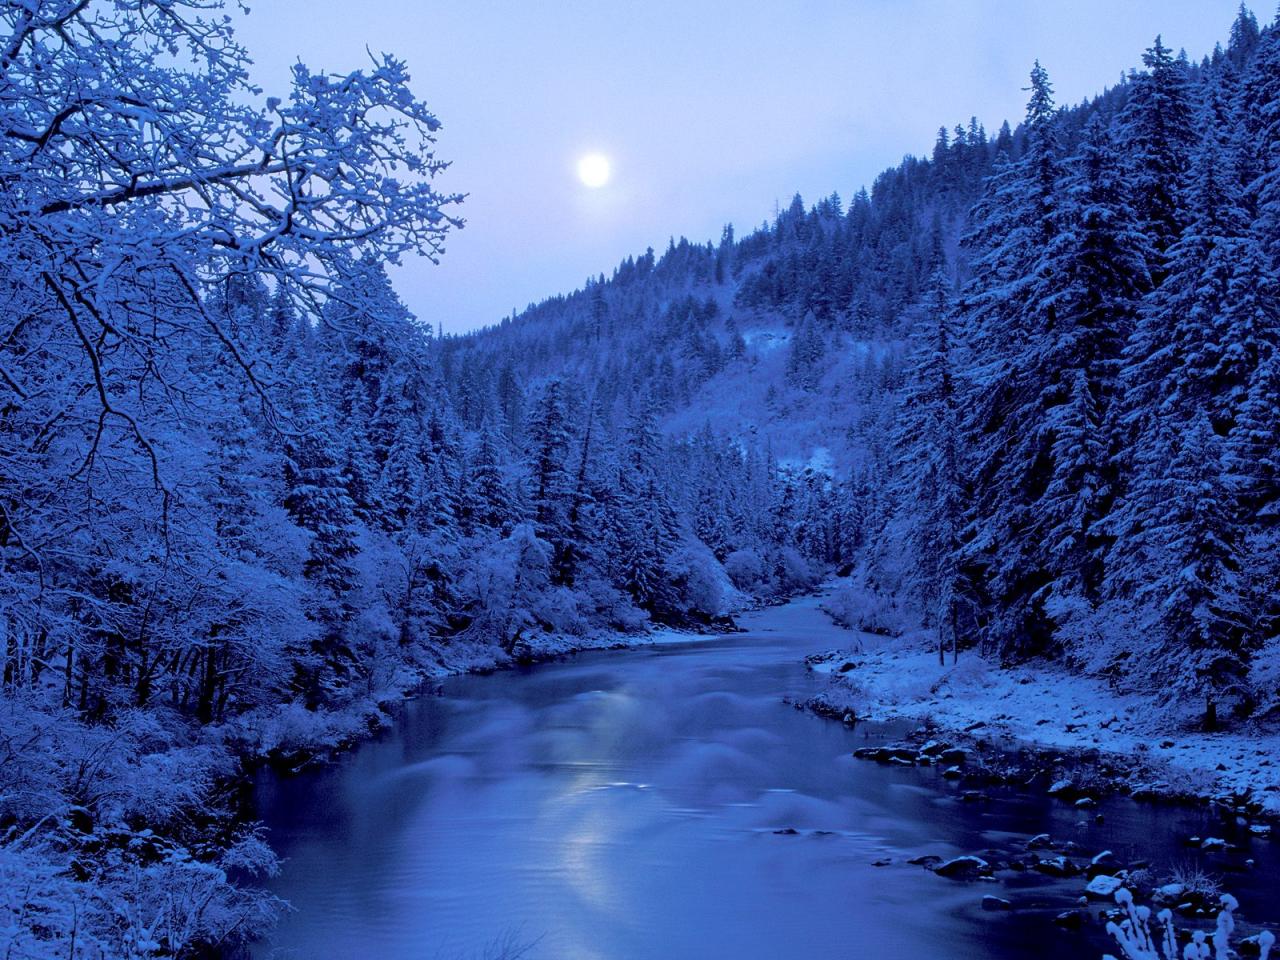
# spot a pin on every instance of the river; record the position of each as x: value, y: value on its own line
x: 625, y: 806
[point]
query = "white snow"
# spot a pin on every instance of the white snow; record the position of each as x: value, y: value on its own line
x: 1046, y: 705
x: 1103, y: 886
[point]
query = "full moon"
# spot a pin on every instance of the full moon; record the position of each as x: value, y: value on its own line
x: 593, y: 170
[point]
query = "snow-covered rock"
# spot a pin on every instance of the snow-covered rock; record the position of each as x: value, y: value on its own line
x: 967, y: 866
x: 1103, y: 886
x: 1057, y: 867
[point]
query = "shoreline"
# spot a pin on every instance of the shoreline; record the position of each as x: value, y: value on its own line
x: 987, y: 765
x: 1042, y: 727
x: 367, y: 717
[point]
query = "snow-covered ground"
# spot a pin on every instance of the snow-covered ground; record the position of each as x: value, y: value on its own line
x: 1047, y: 706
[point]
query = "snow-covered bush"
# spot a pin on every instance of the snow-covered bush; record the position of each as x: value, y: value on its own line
x: 701, y: 583
x: 746, y: 569
x: 794, y: 571
x: 857, y: 607
x: 1193, y: 879
x: 71, y: 798
x: 504, y: 590
x: 1143, y: 937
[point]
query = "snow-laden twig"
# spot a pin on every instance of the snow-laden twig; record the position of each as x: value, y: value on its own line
x: 1137, y: 940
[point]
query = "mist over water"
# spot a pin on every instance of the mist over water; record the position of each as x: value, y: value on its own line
x: 624, y: 805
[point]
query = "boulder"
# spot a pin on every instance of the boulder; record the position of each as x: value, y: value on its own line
x: 1103, y: 887
x: 1169, y: 893
x: 1105, y: 862
x: 995, y: 903
x: 1057, y: 867
x: 962, y: 867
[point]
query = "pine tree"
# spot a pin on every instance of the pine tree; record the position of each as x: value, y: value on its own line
x: 649, y: 525
x: 1184, y: 356
x: 1261, y: 124
x: 1098, y: 262
x: 1158, y: 126
x: 1254, y: 445
x: 1196, y: 580
x: 1245, y: 36
x: 551, y: 482
x: 317, y: 500
x: 399, y: 488
x: 928, y: 485
x: 1077, y: 496
x: 1005, y: 308
x: 489, y: 502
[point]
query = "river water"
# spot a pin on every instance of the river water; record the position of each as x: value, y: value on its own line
x: 623, y: 806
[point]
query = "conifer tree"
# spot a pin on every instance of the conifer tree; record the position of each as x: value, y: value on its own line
x: 1007, y: 308
x: 551, y: 482
x: 927, y: 481
x: 1158, y: 125
x: 1196, y: 582
x: 315, y: 495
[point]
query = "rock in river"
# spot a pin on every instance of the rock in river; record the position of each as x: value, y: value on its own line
x: 962, y: 867
x: 1103, y: 887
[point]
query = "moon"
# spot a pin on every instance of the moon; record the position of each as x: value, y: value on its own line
x: 594, y: 170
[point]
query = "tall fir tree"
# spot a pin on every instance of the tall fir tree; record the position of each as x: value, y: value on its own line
x: 1158, y: 131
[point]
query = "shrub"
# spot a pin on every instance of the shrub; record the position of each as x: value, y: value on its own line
x: 1138, y: 941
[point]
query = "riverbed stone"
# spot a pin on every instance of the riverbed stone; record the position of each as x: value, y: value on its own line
x: 1104, y: 862
x: 967, y: 866
x: 1057, y: 867
x: 1103, y: 887
x: 925, y: 860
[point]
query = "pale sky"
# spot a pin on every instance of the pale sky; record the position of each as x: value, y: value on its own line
x: 710, y: 111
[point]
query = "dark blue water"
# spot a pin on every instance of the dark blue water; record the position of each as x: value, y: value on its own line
x: 624, y: 805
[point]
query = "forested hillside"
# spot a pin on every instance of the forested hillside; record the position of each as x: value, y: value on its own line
x: 1026, y: 387
x: 1023, y: 390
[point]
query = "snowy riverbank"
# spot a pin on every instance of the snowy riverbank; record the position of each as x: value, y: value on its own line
x: 290, y: 737
x: 1044, y: 706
